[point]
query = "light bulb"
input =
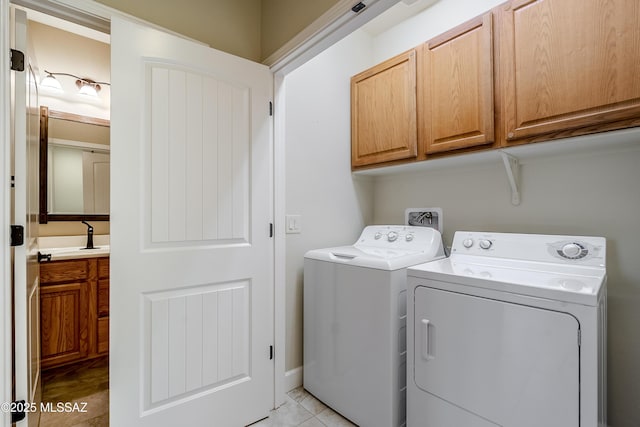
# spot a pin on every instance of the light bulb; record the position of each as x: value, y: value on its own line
x: 88, y: 90
x: 51, y: 82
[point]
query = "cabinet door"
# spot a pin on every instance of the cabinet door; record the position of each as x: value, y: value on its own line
x: 455, y: 83
x: 569, y: 67
x: 63, y: 323
x: 383, y: 112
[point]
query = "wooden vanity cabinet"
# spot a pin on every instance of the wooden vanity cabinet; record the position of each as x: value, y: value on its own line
x: 73, y: 310
x: 455, y: 88
x: 383, y: 112
x: 569, y: 67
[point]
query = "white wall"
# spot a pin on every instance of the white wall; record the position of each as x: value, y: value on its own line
x: 438, y: 18
x: 60, y: 51
x: 335, y: 205
x: 319, y: 186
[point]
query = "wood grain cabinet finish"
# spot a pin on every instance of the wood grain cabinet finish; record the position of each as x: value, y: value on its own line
x: 103, y: 306
x: 455, y: 88
x: 383, y: 112
x: 569, y: 67
x: 74, y: 310
x: 63, y: 323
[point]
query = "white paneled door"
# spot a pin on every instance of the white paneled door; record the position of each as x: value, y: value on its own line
x: 191, y: 253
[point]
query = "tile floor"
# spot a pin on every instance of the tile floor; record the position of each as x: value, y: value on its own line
x: 89, y: 382
x: 301, y: 409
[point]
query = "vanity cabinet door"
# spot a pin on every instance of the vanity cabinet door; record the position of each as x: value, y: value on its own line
x: 383, y: 112
x: 569, y: 67
x: 63, y: 323
x: 455, y: 87
x: 74, y: 310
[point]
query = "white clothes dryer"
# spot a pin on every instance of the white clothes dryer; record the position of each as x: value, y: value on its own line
x: 355, y: 308
x: 509, y: 331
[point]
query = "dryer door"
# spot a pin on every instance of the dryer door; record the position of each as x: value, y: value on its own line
x: 510, y: 364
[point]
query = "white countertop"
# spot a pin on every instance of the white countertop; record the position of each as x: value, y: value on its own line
x: 72, y: 247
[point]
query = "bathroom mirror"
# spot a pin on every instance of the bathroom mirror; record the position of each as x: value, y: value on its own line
x: 74, y: 167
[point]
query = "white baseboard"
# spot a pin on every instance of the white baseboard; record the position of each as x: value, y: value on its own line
x: 292, y: 379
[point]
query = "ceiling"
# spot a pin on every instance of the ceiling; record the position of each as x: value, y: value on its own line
x: 402, y: 11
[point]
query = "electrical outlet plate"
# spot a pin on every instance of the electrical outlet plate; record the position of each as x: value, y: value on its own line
x: 293, y: 224
x: 424, y: 217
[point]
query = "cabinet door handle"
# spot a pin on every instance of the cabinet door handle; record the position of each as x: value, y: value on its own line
x: 425, y: 340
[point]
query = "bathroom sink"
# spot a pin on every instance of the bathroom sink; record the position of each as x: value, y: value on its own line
x: 70, y: 247
x: 75, y: 252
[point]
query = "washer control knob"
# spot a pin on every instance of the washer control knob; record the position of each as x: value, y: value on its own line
x: 408, y: 237
x: 571, y: 250
x: 467, y: 243
x: 485, y: 243
x: 392, y: 236
x: 377, y: 236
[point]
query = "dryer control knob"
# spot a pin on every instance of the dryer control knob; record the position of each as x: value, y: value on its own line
x: 377, y: 235
x: 572, y: 250
x: 408, y: 237
x: 392, y: 236
x: 467, y: 243
x: 485, y: 244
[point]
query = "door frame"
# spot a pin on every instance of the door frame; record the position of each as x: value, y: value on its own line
x: 6, y: 376
x: 335, y: 24
x: 332, y: 26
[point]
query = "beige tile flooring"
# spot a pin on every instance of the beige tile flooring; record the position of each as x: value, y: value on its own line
x: 301, y: 409
x: 89, y: 382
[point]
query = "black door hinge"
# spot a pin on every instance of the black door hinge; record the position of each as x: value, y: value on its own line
x: 17, y: 60
x: 18, y: 413
x: 270, y: 352
x: 13, y: 181
x: 270, y: 108
x: 17, y: 235
x: 271, y: 230
x: 358, y: 7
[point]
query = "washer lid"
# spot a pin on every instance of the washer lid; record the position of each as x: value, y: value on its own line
x: 371, y: 257
x: 386, y: 247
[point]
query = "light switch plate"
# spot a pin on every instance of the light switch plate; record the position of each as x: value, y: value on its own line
x: 293, y: 224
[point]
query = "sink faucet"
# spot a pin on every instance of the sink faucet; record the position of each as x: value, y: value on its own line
x: 89, y: 235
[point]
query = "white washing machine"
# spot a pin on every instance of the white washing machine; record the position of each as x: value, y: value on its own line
x: 510, y: 331
x: 355, y: 309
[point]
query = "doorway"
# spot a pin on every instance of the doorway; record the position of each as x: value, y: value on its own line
x: 74, y: 302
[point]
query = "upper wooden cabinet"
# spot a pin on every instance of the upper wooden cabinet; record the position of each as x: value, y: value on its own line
x: 569, y: 67
x: 455, y: 87
x: 527, y: 71
x: 383, y: 112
